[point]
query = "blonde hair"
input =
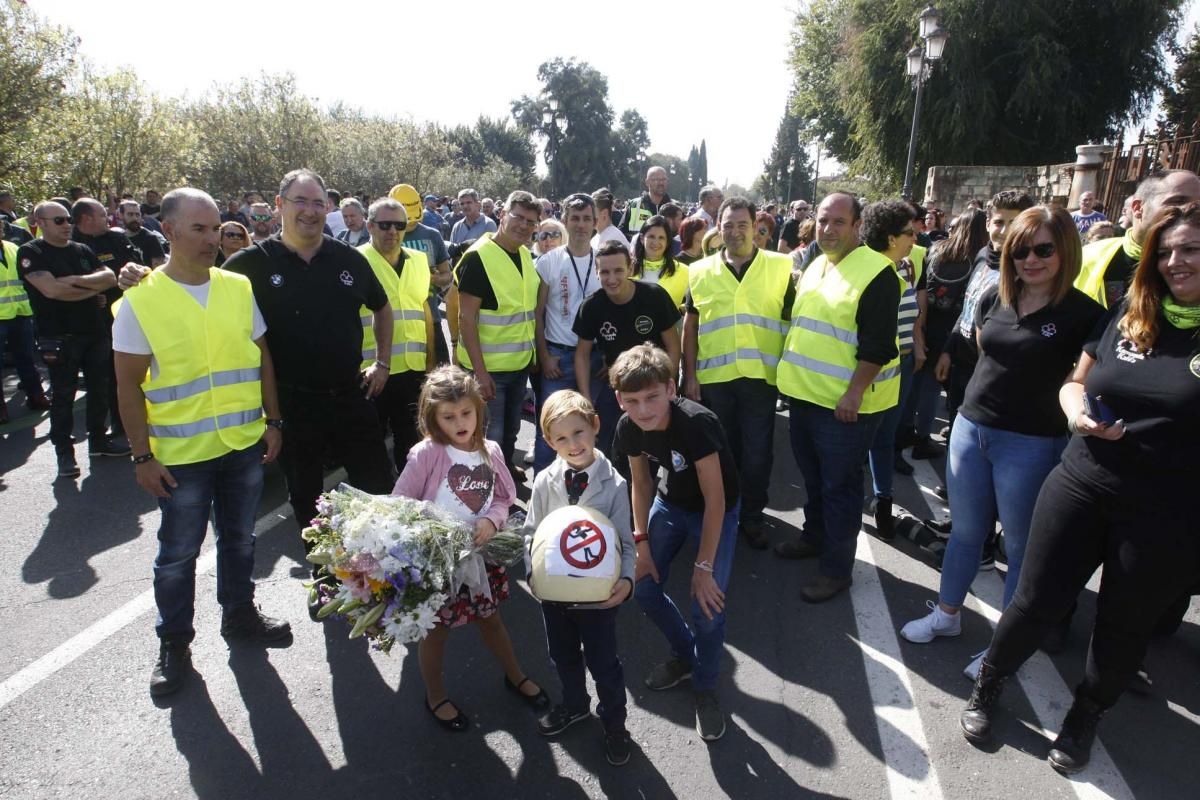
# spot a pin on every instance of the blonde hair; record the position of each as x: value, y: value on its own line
x: 1067, y: 246
x: 450, y: 384
x: 706, y: 244
x: 639, y: 368
x: 563, y: 404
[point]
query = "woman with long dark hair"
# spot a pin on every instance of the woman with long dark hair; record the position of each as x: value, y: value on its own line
x: 653, y: 262
x: 1121, y: 497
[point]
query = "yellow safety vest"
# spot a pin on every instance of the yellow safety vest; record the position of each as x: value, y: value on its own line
x: 13, y: 300
x: 917, y: 257
x: 23, y: 222
x: 636, y: 216
x: 506, y: 334
x: 206, y: 399
x: 820, y: 354
x: 1096, y: 258
x: 675, y: 284
x: 407, y: 293
x: 741, y: 322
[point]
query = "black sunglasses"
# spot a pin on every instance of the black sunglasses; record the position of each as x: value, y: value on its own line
x: 57, y: 220
x: 1043, y: 250
x: 544, y: 235
x: 388, y: 225
x: 260, y: 217
x: 234, y: 235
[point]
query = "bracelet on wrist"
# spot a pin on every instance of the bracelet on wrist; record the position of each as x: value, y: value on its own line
x: 638, y: 538
x: 277, y: 424
x: 142, y: 459
x: 707, y: 566
x: 382, y: 365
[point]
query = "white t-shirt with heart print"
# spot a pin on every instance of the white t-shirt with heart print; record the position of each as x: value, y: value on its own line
x: 466, y: 491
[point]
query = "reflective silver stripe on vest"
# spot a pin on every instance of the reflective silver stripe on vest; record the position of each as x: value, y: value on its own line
x: 746, y: 354
x: 505, y: 319
x: 397, y: 316
x: 397, y: 350
x: 825, y: 329
x: 209, y: 425
x: 833, y: 370
x: 227, y: 377
x: 506, y: 347
x: 10, y: 283
x: 20, y: 298
x: 773, y: 325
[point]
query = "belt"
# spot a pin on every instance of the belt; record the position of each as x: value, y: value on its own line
x: 560, y: 346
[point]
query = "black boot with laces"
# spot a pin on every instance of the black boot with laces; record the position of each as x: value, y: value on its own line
x: 1073, y: 748
x: 976, y: 719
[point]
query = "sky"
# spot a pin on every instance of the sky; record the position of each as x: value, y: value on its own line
x: 449, y: 62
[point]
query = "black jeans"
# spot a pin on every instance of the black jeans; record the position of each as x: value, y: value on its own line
x: 342, y: 426
x: 576, y: 637
x: 93, y: 355
x: 1148, y: 545
x: 746, y: 408
x: 397, y: 408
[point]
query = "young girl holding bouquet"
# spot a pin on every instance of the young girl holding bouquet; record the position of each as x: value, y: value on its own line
x: 460, y: 471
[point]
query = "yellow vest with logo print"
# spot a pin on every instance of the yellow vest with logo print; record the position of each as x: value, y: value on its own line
x: 741, y: 328
x: 506, y: 334
x: 820, y: 354
x: 407, y: 293
x: 1096, y: 258
x: 206, y: 399
x: 13, y: 300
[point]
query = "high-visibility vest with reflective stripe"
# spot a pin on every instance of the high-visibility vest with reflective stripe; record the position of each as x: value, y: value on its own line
x: 675, y: 284
x: 1096, y: 258
x: 506, y: 334
x: 821, y: 351
x: 206, y: 399
x: 741, y: 325
x: 13, y: 300
x: 637, y: 216
x: 407, y: 293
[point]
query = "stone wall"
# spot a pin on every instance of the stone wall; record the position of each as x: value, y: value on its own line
x: 951, y: 188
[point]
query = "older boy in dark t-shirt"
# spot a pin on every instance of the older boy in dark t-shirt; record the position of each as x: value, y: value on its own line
x: 697, y: 501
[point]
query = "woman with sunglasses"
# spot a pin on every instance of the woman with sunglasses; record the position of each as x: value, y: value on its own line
x: 1029, y: 329
x: 234, y: 237
x: 764, y: 230
x: 1119, y: 499
x: 550, y: 234
x: 653, y: 262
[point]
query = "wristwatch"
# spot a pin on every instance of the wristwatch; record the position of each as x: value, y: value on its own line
x: 382, y: 365
x: 142, y: 459
x: 277, y: 424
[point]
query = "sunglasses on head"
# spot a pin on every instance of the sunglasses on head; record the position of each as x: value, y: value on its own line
x: 388, y: 225
x: 544, y: 235
x: 57, y: 220
x: 1044, y: 250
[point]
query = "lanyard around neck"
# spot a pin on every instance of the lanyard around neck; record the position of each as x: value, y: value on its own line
x: 587, y: 275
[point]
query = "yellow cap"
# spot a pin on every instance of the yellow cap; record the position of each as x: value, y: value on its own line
x: 410, y: 198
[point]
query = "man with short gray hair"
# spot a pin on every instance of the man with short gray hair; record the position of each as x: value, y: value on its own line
x: 354, y: 216
x: 711, y: 198
x: 474, y: 223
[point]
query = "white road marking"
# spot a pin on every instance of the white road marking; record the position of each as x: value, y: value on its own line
x: 910, y: 771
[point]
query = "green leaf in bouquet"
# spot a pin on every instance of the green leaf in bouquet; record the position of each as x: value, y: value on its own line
x: 367, y: 620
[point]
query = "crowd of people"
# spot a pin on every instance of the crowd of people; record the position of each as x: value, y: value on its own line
x: 659, y: 341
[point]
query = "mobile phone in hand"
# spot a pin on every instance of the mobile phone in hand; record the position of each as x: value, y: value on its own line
x: 1094, y: 407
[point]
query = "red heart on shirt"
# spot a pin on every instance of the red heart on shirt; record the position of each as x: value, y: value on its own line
x: 472, y: 486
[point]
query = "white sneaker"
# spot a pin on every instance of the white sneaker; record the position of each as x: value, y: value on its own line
x: 936, y: 623
x: 972, y: 670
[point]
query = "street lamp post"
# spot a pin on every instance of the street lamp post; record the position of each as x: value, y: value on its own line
x: 554, y: 127
x: 919, y: 65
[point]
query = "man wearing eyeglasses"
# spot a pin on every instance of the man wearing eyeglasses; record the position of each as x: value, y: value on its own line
x: 639, y: 210
x: 65, y: 283
x: 497, y: 300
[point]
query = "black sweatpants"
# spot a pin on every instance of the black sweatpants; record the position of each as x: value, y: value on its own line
x: 1150, y: 553
x: 397, y: 408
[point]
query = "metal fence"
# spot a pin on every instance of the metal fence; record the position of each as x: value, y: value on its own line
x: 1124, y: 168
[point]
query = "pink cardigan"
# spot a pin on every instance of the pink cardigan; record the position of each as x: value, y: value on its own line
x: 428, y: 464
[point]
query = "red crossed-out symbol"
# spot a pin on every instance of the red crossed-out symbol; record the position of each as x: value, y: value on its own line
x: 582, y: 544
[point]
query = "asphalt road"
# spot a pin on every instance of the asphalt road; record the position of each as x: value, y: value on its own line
x: 823, y: 701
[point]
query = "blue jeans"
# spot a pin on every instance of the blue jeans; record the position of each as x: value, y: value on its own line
x: 543, y: 454
x: 830, y: 456
x: 746, y: 408
x: 18, y: 332
x: 883, y: 448
x: 923, y: 399
x: 504, y: 410
x: 670, y: 528
x: 576, y: 637
x: 227, y: 488
x: 990, y: 472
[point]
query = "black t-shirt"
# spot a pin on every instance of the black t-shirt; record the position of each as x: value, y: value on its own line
x: 311, y: 309
x: 148, y: 244
x: 150, y: 211
x: 876, y: 319
x: 693, y: 433
x: 1157, y: 394
x: 1023, y: 362
x: 614, y: 328
x: 114, y: 249
x: 473, y: 279
x: 1117, y: 277
x: 62, y: 317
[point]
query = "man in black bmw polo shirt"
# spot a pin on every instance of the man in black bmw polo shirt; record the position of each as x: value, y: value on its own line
x: 310, y: 288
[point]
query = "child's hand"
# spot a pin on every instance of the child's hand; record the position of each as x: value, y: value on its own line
x: 620, y: 592
x: 485, y: 529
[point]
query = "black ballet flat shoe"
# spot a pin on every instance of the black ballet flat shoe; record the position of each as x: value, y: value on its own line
x: 457, y: 724
x: 537, y: 702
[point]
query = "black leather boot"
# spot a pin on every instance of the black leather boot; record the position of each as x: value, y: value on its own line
x: 976, y: 718
x: 885, y: 523
x: 1073, y: 748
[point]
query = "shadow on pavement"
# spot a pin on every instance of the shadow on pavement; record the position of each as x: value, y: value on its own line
x: 218, y: 766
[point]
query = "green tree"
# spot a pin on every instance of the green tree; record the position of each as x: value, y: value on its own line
x: 694, y: 185
x: 787, y: 172
x: 679, y: 174
x: 702, y: 168
x: 1020, y: 83
x: 629, y: 154
x: 1181, y: 98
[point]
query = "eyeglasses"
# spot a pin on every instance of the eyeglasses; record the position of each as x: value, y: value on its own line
x: 544, y: 235
x: 233, y: 235
x: 390, y: 225
x: 57, y: 220
x: 300, y: 202
x: 260, y: 217
x: 1043, y: 250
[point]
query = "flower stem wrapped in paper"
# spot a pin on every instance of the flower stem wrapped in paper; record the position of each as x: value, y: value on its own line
x: 391, y: 562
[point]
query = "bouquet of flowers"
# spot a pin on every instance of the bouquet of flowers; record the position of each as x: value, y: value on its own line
x: 389, y: 563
